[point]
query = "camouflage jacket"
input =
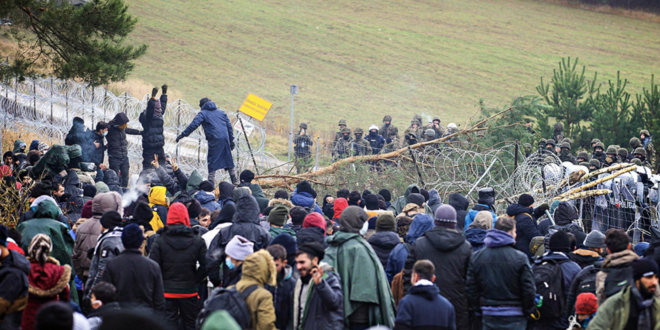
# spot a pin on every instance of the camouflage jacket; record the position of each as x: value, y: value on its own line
x: 302, y: 143
x: 342, y: 148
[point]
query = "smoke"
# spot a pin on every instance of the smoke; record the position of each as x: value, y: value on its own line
x: 138, y: 185
x: 426, y: 118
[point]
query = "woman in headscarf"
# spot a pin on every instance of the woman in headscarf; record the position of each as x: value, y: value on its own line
x: 48, y: 280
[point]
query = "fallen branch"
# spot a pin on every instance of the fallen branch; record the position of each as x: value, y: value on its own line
x: 292, y: 177
x: 597, y: 182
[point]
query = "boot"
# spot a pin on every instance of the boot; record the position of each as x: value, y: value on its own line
x: 234, y: 179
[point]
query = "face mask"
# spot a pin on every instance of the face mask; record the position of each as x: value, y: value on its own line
x: 598, y: 153
x: 229, y: 264
x: 105, y: 133
x: 564, y: 152
x: 364, y: 228
x: 551, y: 148
x: 346, y: 137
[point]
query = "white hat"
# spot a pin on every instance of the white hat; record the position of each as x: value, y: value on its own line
x: 452, y: 125
x: 239, y: 247
x: 373, y: 127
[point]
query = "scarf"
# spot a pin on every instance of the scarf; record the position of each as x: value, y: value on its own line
x: 645, y: 318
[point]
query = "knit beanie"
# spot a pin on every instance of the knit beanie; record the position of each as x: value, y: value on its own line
x: 417, y: 199
x: 278, y: 215
x: 43, y: 147
x: 288, y: 242
x: 206, y: 186
x: 386, y: 194
x: 305, y: 186
x: 247, y: 176
x: 586, y: 304
x: 371, y: 202
x: 40, y: 248
x: 314, y: 220
x: 111, y: 219
x: 132, y: 236
x: 314, y: 249
x: 526, y: 200
x: 445, y: 216
x: 595, y: 240
x: 425, y: 193
x: 644, y: 267
x: 86, y: 212
x: 89, y: 191
x: 385, y: 222
x: 560, y: 242
x: 143, y: 212
x: 194, y: 208
x: 640, y: 248
x: 239, y: 247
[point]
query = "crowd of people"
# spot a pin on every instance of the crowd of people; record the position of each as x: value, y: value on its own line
x: 176, y: 251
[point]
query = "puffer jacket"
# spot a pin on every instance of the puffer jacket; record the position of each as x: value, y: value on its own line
x: 526, y: 228
x: 111, y: 179
x: 153, y: 138
x: 117, y: 143
x: 88, y: 233
x: 207, y: 200
x: 259, y: 270
x: 245, y: 223
x: 305, y: 200
x: 383, y: 242
x: 109, y: 246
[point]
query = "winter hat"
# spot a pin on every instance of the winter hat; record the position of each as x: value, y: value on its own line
x: 278, y: 215
x: 425, y: 193
x: 40, y: 248
x: 526, y: 200
x: 483, y: 220
x: 89, y: 191
x: 644, y: 267
x: 206, y: 185
x: 371, y: 202
x: 111, y: 219
x: 445, y: 216
x: 595, y: 240
x: 386, y: 194
x: 132, y: 236
x: 43, y: 147
x: 143, y: 213
x: 178, y: 215
x: 586, y: 304
x: 240, y: 192
x: 305, y: 186
x: 3, y: 235
x: 417, y: 199
x: 247, y: 176
x: 101, y: 187
x: 204, y: 101
x: 314, y: 220
x: 366, y: 193
x: 560, y: 242
x: 340, y: 205
x: 194, y: 208
x: 54, y: 315
x: 86, y: 212
x: 34, y: 145
x: 239, y: 247
x: 288, y: 242
x: 314, y: 249
x: 385, y: 222
x: 411, y: 207
x: 640, y: 248
x: 352, y: 219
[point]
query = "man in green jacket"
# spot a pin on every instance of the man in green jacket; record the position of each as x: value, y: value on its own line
x: 637, y: 306
x: 367, y: 295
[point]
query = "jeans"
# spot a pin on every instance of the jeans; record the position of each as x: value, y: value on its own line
x: 121, y: 166
x: 181, y: 313
x: 504, y: 322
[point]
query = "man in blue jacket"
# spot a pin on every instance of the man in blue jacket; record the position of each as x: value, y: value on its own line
x: 220, y: 137
x: 484, y: 203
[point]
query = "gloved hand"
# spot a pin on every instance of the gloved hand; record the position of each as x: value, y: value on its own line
x: 544, y: 207
x: 164, y: 89
x: 154, y: 91
x: 232, y: 145
x: 178, y: 138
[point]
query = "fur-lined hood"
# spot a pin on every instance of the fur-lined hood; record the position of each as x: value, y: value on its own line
x: 260, y: 267
x: 281, y: 201
x: 48, y: 280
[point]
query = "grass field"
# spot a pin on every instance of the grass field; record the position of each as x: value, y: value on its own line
x: 360, y: 60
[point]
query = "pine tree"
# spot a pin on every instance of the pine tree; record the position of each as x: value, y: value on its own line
x: 86, y: 42
x: 611, y: 121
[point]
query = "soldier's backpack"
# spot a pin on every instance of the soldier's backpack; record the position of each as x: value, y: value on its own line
x: 548, y: 278
x: 231, y: 301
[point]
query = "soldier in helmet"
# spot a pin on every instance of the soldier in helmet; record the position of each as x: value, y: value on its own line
x: 392, y: 142
x: 565, y: 153
x: 594, y: 164
x: 640, y: 154
x: 593, y: 143
x: 411, y: 135
x: 387, y: 123
x: 634, y: 144
x: 598, y: 152
x: 550, y: 146
x: 338, y: 135
x: 435, y: 125
x: 429, y: 135
x: 343, y: 146
x: 302, y: 144
x: 583, y: 156
x: 360, y: 146
x: 585, y: 164
x: 611, y: 156
x: 558, y: 130
x: 636, y: 161
x: 623, y: 155
x: 376, y: 141
x: 647, y: 144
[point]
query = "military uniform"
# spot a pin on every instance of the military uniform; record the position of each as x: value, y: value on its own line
x: 565, y: 154
x: 360, y: 146
x: 583, y: 156
x: 343, y: 146
x: 647, y: 143
x: 640, y: 154
x: 342, y: 122
x: 385, y: 128
x: 599, y: 155
x: 439, y: 129
x: 392, y: 142
x: 302, y: 144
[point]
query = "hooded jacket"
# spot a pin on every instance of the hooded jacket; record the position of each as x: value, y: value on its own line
x: 614, y: 313
x: 424, y: 308
x: 108, y: 247
x: 159, y: 204
x: 434, y: 201
x: 305, y: 200
x: 88, y: 233
x: 153, y: 138
x: 97, y: 155
x: 500, y: 275
x: 460, y: 204
x: 564, y: 215
x: 383, y: 242
x: 259, y: 269
x: 325, y: 303
x: 397, y: 259
x: 450, y: 253
x: 111, y: 179
x: 219, y: 134
x: 226, y: 194
x: 259, y: 195
x: 339, y: 206
x: 398, y: 205
x: 476, y: 237
x: 615, y: 260
x: 526, y: 228
x: 18, y: 145
x: 48, y: 282
x: 178, y: 250
x: 14, y: 270
x: 569, y: 270
x: 207, y: 200
x: 117, y: 143
x: 364, y: 284
x: 245, y: 223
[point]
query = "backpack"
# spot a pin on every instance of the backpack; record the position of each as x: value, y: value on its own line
x: 549, y: 278
x: 588, y: 283
x: 553, y: 229
x: 397, y: 281
x: 231, y: 301
x: 616, y: 279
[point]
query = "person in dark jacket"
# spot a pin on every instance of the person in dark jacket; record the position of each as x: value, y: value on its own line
x: 118, y: 146
x: 111, y: 179
x: 220, y: 137
x: 423, y: 307
x: 385, y: 238
x: 283, y: 291
x: 526, y: 228
x: 138, y: 279
x: 79, y: 135
x: 478, y: 229
x: 226, y: 194
x: 305, y: 197
x: 564, y: 215
x: 178, y: 250
x: 590, y: 252
x: 313, y: 229
x: 328, y: 206
x: 500, y: 283
x: 376, y: 141
x: 153, y: 138
x: 450, y: 253
x: 206, y: 197
x: 484, y: 203
x: 397, y: 260
x: 460, y: 204
x: 14, y: 270
x: 318, y: 300
x: 97, y: 148
x: 246, y: 224
x: 104, y: 303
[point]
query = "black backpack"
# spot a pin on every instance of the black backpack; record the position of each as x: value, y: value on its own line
x: 555, y: 228
x: 231, y: 301
x: 616, y: 279
x: 549, y: 279
x: 588, y: 283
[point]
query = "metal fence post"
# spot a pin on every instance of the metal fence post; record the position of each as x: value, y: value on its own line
x: 318, y: 139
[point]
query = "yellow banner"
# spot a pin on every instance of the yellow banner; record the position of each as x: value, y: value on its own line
x: 255, y: 107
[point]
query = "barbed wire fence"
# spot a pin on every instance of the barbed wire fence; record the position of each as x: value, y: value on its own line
x: 46, y: 107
